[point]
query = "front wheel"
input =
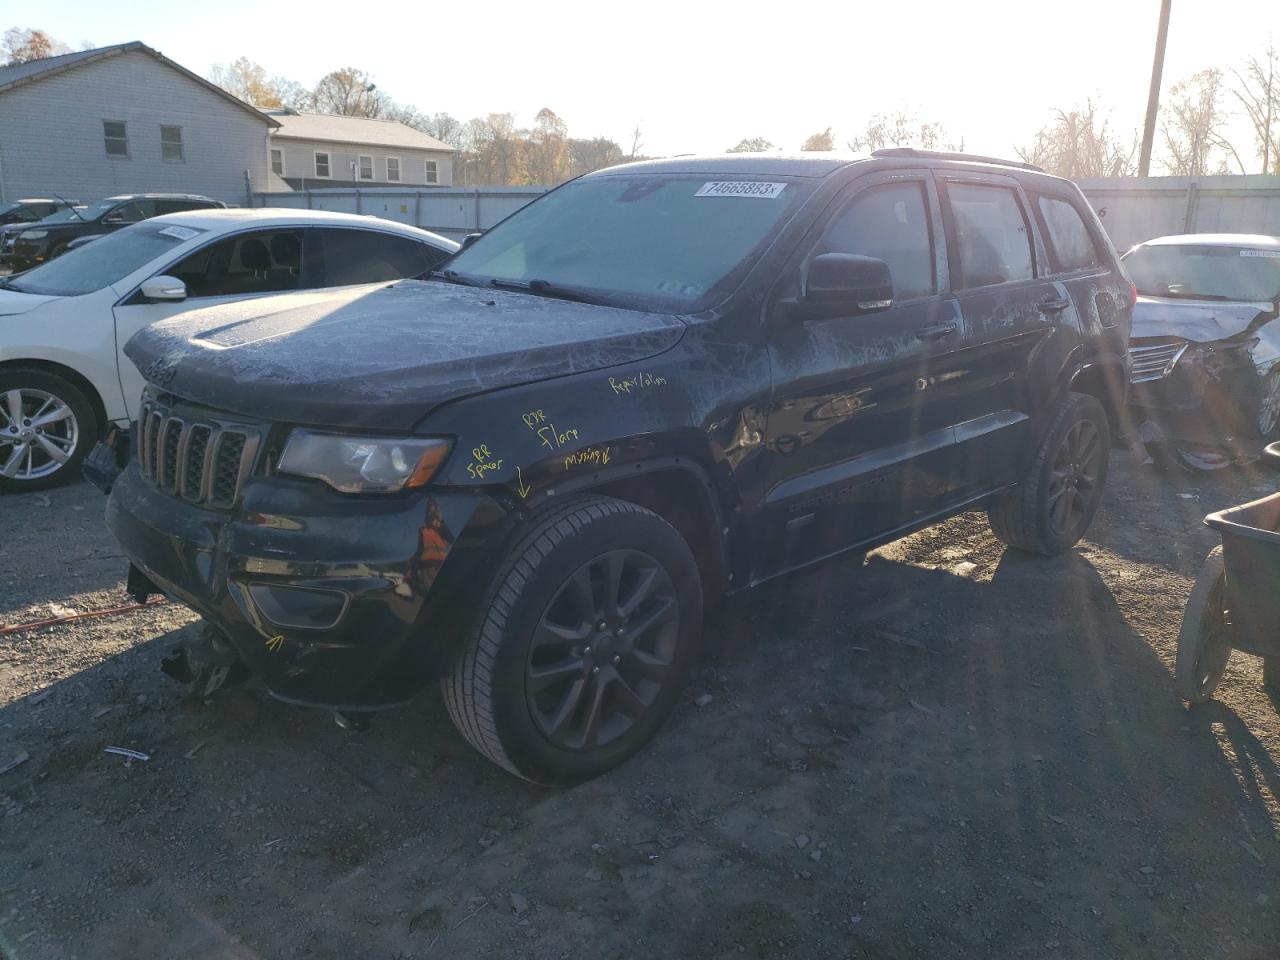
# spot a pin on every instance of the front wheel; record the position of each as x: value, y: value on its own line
x: 1204, y: 642
x: 47, y: 426
x: 588, y: 633
x: 1054, y: 504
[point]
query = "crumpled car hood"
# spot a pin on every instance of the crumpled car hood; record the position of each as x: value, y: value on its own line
x: 1200, y: 321
x: 384, y: 355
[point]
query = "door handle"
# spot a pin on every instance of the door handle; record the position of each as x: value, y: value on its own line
x: 1054, y: 306
x: 936, y: 332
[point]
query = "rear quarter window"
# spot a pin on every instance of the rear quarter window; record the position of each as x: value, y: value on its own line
x: 1071, y: 246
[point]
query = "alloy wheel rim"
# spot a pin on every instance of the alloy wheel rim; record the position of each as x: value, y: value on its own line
x: 1269, y: 410
x: 603, y: 650
x: 1073, y: 476
x: 38, y: 433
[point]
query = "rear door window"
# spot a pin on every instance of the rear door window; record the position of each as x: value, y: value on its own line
x: 368, y: 256
x: 177, y: 206
x: 133, y: 211
x: 268, y: 261
x: 891, y: 223
x: 1070, y: 245
x: 992, y: 237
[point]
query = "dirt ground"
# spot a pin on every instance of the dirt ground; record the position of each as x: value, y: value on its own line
x: 943, y: 750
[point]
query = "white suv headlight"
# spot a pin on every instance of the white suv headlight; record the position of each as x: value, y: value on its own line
x: 363, y: 464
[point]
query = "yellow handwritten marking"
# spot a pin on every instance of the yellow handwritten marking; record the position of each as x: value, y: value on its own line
x: 593, y: 455
x: 640, y: 382
x: 276, y: 642
x: 520, y: 485
x: 553, y: 438
x: 482, y: 462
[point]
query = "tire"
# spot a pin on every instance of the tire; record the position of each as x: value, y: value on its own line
x: 523, y: 687
x: 29, y: 453
x: 1071, y: 465
x: 1204, y: 642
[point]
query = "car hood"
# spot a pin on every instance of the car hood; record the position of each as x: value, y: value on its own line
x: 1200, y: 321
x: 14, y: 302
x: 384, y: 355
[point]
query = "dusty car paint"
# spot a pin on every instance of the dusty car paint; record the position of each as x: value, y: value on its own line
x: 775, y: 441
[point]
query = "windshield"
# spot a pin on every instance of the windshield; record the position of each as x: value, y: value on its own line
x: 664, y: 240
x: 1201, y: 272
x: 66, y: 214
x: 103, y: 262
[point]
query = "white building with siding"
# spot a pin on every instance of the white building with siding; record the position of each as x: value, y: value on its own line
x: 313, y: 150
x: 127, y: 119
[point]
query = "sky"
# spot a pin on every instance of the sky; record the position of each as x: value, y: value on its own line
x: 698, y: 76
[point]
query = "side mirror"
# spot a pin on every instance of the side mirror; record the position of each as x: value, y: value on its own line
x: 844, y: 283
x: 164, y: 288
x: 469, y: 239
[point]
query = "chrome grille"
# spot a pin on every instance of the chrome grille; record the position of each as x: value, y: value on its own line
x: 191, y: 455
x: 1156, y: 360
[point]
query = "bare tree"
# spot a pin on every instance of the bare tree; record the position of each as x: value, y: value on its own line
x: 247, y: 80
x: 819, y: 141
x: 752, y: 145
x: 636, y: 143
x: 547, y: 150
x: 1193, y: 127
x: 1078, y: 144
x: 498, y: 149
x: 902, y: 128
x: 349, y: 92
x: 1258, y: 91
x: 23, y: 46
x: 445, y: 128
x: 594, y: 154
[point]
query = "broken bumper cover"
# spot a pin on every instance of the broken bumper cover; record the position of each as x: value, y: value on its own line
x: 332, y: 601
x: 1210, y: 399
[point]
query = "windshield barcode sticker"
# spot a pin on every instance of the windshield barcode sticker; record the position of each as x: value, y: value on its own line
x: 1270, y: 254
x: 740, y: 188
x: 179, y: 233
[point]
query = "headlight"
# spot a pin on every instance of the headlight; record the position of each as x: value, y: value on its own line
x: 34, y: 234
x: 363, y: 464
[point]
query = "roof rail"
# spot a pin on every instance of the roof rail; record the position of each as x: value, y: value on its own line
x: 947, y: 155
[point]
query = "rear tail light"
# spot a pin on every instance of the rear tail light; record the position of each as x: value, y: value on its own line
x: 1133, y: 294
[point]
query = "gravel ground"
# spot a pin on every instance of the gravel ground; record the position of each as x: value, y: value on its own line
x: 942, y: 750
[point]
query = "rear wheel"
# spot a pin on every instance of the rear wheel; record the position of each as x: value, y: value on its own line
x: 588, y: 634
x: 47, y: 426
x: 1204, y: 642
x: 1053, y: 506
x: 1269, y: 408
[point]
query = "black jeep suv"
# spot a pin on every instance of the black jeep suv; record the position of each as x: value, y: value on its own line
x: 48, y: 239
x: 654, y: 385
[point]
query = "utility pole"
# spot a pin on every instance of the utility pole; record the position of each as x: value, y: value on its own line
x: 1153, y: 98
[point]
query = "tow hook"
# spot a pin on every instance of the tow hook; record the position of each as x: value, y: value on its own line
x: 353, y: 721
x: 206, y: 665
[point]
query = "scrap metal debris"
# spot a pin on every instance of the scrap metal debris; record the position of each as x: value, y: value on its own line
x: 67, y: 615
x: 126, y: 752
x: 17, y: 761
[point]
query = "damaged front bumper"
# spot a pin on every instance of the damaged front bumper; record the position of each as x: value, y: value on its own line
x: 332, y: 601
x: 1199, y: 397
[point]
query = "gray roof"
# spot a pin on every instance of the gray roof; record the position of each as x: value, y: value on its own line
x: 34, y: 70
x: 356, y: 130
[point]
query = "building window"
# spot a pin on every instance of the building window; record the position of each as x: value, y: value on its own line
x: 393, y: 169
x: 116, y: 138
x: 366, y: 166
x: 277, y: 162
x: 433, y: 173
x: 322, y: 165
x: 171, y: 143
